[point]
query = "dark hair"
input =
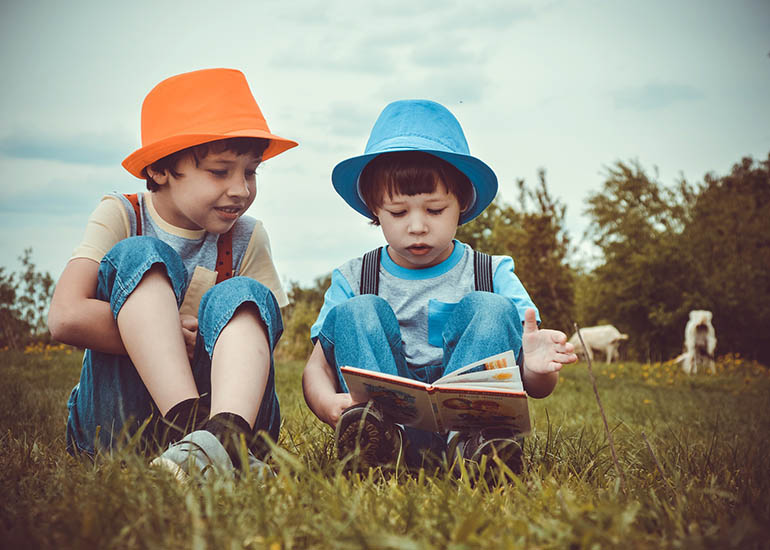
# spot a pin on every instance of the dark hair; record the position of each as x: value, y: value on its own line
x: 237, y: 145
x: 411, y: 173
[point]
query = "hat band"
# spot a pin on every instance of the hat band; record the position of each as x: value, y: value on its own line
x: 417, y: 143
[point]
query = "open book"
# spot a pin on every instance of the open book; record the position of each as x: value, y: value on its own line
x: 486, y: 393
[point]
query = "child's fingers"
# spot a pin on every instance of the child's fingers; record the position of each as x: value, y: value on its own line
x: 564, y: 347
x: 530, y: 321
x: 558, y: 337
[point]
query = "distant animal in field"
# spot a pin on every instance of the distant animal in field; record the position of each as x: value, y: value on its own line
x: 700, y: 341
x: 604, y: 338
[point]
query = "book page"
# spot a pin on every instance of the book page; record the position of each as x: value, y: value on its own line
x: 486, y: 368
x: 404, y: 401
x: 472, y: 409
x: 508, y: 378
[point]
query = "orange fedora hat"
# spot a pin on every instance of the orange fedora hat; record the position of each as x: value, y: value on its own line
x: 198, y: 107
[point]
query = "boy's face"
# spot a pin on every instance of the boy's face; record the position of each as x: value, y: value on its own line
x: 211, y: 195
x: 419, y: 228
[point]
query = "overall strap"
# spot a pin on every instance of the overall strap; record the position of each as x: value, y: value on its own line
x: 482, y: 275
x: 225, y: 256
x: 224, y: 266
x: 370, y: 272
x: 482, y: 271
x: 133, y: 198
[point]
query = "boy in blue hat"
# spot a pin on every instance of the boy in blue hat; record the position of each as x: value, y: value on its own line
x: 425, y: 304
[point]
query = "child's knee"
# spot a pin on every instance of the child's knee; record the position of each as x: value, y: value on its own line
x: 126, y: 264
x: 142, y: 246
x: 363, y: 306
x: 223, y: 300
x: 238, y: 291
x: 141, y: 253
x: 488, y: 301
x: 366, y: 312
x: 487, y: 306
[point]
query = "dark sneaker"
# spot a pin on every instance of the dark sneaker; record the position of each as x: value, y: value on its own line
x: 499, y: 441
x: 366, y: 437
x: 201, y: 454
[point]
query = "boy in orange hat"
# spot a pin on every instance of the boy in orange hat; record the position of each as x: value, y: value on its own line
x: 173, y: 292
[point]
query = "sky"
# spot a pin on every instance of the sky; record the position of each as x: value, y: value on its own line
x: 569, y: 87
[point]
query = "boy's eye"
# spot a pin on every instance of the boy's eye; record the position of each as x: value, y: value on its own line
x: 398, y: 213
x: 435, y: 211
x: 250, y: 173
x: 219, y: 173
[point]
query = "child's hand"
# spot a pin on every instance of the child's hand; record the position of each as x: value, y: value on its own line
x: 189, y: 332
x: 334, y: 407
x: 545, y: 350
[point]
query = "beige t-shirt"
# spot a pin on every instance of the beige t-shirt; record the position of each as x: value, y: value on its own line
x: 111, y: 222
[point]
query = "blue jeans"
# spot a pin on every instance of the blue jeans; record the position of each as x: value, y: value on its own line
x: 363, y: 332
x: 110, y: 403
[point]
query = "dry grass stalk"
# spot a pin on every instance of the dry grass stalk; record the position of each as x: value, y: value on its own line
x: 621, y: 474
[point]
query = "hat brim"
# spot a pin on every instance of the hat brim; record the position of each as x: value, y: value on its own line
x: 345, y: 180
x: 137, y: 161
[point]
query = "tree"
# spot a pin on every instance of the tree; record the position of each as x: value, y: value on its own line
x: 24, y: 301
x: 670, y: 250
x: 299, y: 316
x: 728, y: 240
x: 637, y: 223
x: 535, y: 237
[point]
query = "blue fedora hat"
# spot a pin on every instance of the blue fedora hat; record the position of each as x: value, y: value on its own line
x: 417, y: 125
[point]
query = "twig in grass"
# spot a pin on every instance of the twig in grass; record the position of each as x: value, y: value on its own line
x: 621, y: 475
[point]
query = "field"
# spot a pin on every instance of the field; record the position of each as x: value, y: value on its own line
x: 692, y: 472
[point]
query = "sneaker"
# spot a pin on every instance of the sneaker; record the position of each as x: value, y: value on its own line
x: 259, y: 468
x: 364, y: 434
x: 498, y: 441
x: 199, y: 453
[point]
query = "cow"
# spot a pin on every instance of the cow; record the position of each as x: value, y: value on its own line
x: 604, y: 338
x: 700, y: 341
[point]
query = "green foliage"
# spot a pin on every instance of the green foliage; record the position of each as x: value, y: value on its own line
x: 695, y: 471
x: 298, y: 317
x: 667, y: 251
x: 24, y: 300
x: 728, y: 239
x: 534, y: 235
x: 638, y: 288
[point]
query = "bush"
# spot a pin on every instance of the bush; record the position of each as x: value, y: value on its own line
x: 24, y: 300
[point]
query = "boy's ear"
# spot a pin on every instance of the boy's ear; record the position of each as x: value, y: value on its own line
x: 159, y: 177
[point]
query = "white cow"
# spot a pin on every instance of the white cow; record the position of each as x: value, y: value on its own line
x: 700, y: 341
x: 604, y: 338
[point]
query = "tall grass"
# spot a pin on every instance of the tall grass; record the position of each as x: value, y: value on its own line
x: 694, y: 452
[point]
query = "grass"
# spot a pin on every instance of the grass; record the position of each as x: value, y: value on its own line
x: 693, y: 450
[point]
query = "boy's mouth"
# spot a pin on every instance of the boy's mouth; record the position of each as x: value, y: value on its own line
x: 229, y: 212
x: 419, y: 249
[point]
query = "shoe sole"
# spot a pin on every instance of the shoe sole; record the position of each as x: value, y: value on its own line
x: 366, y: 439
x: 172, y: 467
x: 366, y: 435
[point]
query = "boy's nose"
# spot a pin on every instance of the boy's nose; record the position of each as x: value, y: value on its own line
x: 417, y: 224
x: 239, y: 187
